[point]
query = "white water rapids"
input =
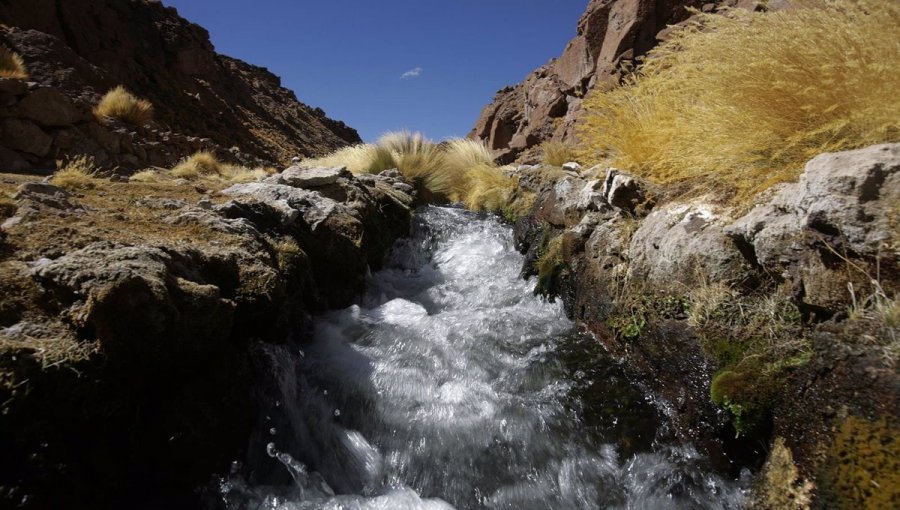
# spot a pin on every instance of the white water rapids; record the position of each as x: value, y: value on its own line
x: 445, y: 388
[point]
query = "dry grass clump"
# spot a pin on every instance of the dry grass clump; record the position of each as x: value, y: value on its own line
x: 205, y: 164
x: 740, y: 101
x: 12, y: 65
x: 120, y: 104
x: 457, y: 170
x: 557, y: 153
x: 79, y: 172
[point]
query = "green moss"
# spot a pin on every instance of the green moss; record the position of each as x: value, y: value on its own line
x: 747, y: 392
x: 290, y: 256
x: 550, y: 267
x: 862, y: 466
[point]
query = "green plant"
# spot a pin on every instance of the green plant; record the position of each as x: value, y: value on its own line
x: 120, y: 104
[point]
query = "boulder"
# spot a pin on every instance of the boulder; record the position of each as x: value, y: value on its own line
x: 843, y: 209
x: 25, y: 136
x: 50, y: 107
x: 685, y: 245
x: 301, y: 177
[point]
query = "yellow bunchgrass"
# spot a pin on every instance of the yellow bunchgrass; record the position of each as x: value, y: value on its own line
x: 12, y: 65
x: 456, y: 170
x: 120, y: 104
x: 557, y: 153
x: 79, y: 172
x: 738, y: 102
x: 205, y: 165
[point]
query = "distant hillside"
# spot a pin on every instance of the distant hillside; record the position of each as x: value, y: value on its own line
x: 86, y: 47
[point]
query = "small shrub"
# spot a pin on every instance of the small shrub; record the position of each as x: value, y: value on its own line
x: 487, y: 188
x: 557, y: 153
x: 205, y: 164
x: 120, y: 104
x: 359, y: 159
x: 457, y: 170
x: 12, y: 65
x: 196, y: 165
x: 146, y: 176
x: 77, y: 173
x: 736, y: 103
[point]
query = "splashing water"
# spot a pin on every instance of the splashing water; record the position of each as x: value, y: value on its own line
x: 451, y: 385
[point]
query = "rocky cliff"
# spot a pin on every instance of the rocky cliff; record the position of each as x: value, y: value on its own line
x: 611, y: 34
x: 82, y: 48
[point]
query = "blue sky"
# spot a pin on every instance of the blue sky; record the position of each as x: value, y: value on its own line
x: 349, y: 57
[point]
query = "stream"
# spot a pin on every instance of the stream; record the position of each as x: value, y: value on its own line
x: 450, y: 385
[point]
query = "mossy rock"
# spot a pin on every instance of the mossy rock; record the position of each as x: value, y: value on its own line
x: 862, y: 466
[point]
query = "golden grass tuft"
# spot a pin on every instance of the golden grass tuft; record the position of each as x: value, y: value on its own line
x: 12, y: 65
x: 557, y: 153
x: 120, y: 104
x: 196, y: 165
x: 79, y: 172
x: 205, y: 164
x: 456, y: 170
x: 740, y: 101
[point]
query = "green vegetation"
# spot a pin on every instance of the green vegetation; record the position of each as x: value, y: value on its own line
x: 738, y: 102
x: 79, y: 172
x: 457, y: 170
x: 12, y: 65
x: 550, y: 266
x: 120, y: 104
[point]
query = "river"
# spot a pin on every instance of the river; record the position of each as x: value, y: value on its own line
x: 450, y: 385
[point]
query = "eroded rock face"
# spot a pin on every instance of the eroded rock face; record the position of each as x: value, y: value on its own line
x: 86, y: 47
x: 844, y: 208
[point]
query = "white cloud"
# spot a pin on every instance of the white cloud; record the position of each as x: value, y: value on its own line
x: 412, y: 73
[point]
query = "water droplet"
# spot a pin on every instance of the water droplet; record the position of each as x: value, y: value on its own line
x: 324, y: 392
x: 277, y: 404
x: 337, y: 412
x: 273, y: 431
x: 271, y: 450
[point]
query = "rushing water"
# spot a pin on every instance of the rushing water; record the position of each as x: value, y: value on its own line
x: 451, y: 385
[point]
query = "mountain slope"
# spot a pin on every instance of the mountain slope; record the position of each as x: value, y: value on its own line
x: 86, y: 47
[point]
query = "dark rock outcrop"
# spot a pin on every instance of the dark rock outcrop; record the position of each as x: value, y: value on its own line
x: 129, y: 323
x: 82, y: 48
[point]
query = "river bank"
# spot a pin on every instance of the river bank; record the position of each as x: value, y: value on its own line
x: 131, y: 312
x: 772, y: 323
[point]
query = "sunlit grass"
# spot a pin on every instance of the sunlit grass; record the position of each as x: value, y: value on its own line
x: 740, y: 101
